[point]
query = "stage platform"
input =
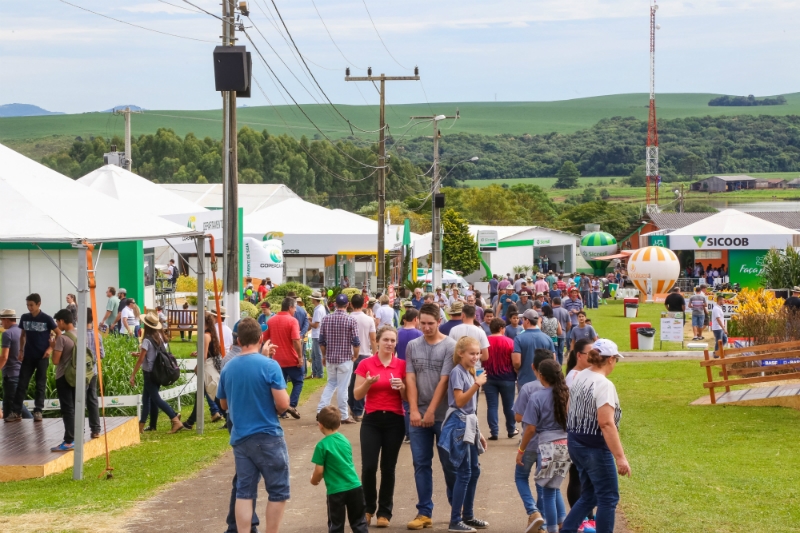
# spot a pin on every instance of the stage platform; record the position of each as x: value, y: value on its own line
x: 787, y: 395
x: 26, y: 445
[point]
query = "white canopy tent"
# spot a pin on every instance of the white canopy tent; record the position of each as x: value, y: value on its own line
x: 42, y: 206
x: 733, y: 230
x: 312, y: 229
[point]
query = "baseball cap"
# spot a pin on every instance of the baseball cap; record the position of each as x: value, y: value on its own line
x: 607, y: 348
x: 531, y: 315
x: 342, y: 300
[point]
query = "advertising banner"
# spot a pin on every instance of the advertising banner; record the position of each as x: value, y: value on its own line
x: 746, y: 267
x: 728, y: 242
x: 264, y: 259
x: 487, y: 240
x: 659, y: 240
x: 672, y: 326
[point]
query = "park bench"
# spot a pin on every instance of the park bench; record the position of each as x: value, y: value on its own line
x: 751, y: 365
x: 181, y: 319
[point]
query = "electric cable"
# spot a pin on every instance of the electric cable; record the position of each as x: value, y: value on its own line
x: 381, y: 38
x: 331, y: 37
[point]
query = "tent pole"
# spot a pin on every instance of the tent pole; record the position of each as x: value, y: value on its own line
x: 80, y: 377
x: 201, y: 315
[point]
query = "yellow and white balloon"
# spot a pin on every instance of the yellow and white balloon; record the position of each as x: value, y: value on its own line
x: 660, y: 265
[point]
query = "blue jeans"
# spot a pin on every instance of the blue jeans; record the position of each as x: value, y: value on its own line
x: 338, y: 381
x: 316, y: 359
x: 422, y: 444
x: 231, y: 518
x: 719, y: 335
x: 585, y: 297
x: 9, y: 391
x: 553, y: 507
x: 522, y: 476
x: 356, y: 406
x: 261, y: 455
x: 560, y: 349
x: 599, y: 487
x: 296, y: 375
x: 151, y: 398
x: 467, y: 476
x: 698, y: 321
x: 505, y: 390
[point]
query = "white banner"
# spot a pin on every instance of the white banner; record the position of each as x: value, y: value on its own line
x: 729, y: 242
x: 263, y: 259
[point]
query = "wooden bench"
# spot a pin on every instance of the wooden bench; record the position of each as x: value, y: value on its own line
x: 757, y: 374
x: 181, y: 320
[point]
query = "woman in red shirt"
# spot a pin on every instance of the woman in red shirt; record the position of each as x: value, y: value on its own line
x: 380, y: 379
x: 501, y: 380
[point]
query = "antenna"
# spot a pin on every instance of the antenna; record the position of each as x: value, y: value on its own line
x: 651, y: 150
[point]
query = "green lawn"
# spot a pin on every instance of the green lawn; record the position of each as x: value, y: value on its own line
x: 704, y: 469
x: 490, y: 118
x: 609, y: 322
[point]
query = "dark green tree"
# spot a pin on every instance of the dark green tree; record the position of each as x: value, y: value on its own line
x: 692, y: 165
x: 567, y: 176
x: 459, y: 249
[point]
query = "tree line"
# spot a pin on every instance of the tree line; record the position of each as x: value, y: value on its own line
x: 745, y: 101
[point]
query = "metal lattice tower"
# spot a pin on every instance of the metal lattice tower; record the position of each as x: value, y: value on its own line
x: 651, y: 157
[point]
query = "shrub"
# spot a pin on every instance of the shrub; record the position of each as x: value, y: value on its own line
x: 276, y: 295
x: 350, y: 292
x: 189, y: 284
x: 246, y: 307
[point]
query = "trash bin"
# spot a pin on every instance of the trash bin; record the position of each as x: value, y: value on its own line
x: 631, y: 310
x: 626, y: 301
x: 633, y: 336
x: 646, y: 337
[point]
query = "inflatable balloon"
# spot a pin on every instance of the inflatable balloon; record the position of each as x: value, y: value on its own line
x: 330, y: 292
x: 660, y: 265
x: 598, y: 244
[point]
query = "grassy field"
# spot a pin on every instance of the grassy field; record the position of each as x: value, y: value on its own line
x: 488, y: 118
x: 609, y: 322
x: 703, y: 469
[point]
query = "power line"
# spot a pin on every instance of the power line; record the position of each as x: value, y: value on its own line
x: 180, y: 7
x: 331, y: 37
x: 135, y: 25
x: 381, y: 38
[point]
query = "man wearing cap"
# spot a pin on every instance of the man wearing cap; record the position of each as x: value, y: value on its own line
x: 792, y: 303
x: 541, y: 285
x: 265, y: 315
x: 455, y: 318
x: 525, y: 345
x: 505, y: 300
x: 524, y: 302
x: 417, y: 300
x: 10, y: 361
x: 551, y: 280
x: 339, y: 342
x: 284, y: 331
x: 320, y: 312
x: 112, y: 308
x: 573, y: 305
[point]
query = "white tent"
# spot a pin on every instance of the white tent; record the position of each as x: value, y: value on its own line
x: 252, y: 196
x: 137, y: 192
x: 42, y: 206
x: 733, y: 230
x: 310, y: 229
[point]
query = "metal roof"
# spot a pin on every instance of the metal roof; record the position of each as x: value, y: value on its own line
x: 740, y: 177
x: 673, y: 221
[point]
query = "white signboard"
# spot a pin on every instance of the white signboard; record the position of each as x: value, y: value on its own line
x: 542, y: 242
x: 487, y: 240
x: 672, y: 327
x: 729, y: 242
x: 209, y: 222
x: 263, y: 259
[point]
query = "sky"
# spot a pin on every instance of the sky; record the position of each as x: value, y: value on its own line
x: 62, y: 58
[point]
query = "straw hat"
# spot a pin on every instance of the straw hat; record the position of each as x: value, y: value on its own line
x: 8, y: 313
x: 151, y: 321
x: 316, y: 295
x: 222, y: 311
x: 456, y: 309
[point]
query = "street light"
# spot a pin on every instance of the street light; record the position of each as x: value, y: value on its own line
x: 468, y: 160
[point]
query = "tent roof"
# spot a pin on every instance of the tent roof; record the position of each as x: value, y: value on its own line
x: 252, y: 197
x: 137, y: 191
x: 296, y: 216
x: 734, y: 223
x: 41, y: 205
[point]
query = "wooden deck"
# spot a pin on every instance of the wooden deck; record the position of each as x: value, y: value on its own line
x: 26, y: 445
x: 780, y: 395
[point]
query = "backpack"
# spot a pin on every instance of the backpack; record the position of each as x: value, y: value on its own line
x: 165, y: 367
x: 71, y: 372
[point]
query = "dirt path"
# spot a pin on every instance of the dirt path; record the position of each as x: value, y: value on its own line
x: 200, y: 504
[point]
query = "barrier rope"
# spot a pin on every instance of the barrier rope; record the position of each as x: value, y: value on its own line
x: 92, y: 286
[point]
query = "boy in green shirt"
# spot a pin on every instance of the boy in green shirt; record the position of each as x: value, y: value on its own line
x: 334, y: 459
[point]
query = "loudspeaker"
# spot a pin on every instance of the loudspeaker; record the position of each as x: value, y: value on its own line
x: 246, y: 93
x: 231, y: 71
x: 438, y: 200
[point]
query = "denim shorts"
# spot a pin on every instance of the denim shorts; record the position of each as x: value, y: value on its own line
x: 698, y: 321
x: 262, y: 455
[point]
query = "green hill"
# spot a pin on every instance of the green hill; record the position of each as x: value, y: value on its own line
x: 486, y: 118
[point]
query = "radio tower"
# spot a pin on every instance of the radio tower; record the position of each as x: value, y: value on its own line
x: 651, y: 162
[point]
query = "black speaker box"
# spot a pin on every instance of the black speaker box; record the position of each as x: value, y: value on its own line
x: 246, y: 93
x: 231, y: 71
x: 438, y: 200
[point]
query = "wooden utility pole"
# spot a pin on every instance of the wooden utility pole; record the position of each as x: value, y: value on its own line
x: 230, y: 179
x: 381, y: 163
x: 436, y: 214
x: 127, y: 114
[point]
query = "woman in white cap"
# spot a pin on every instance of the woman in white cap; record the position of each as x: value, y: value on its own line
x: 593, y: 439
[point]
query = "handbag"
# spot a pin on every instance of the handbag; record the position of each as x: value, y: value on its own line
x: 210, y: 377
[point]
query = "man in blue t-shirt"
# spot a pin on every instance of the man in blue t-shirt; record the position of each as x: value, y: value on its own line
x: 252, y: 390
x: 525, y: 345
x: 36, y: 346
x: 505, y: 300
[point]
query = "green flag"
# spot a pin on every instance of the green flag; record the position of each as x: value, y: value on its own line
x: 406, y: 233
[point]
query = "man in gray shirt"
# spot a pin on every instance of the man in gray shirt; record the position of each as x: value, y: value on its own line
x: 524, y: 302
x: 429, y: 360
x: 698, y: 303
x: 562, y: 315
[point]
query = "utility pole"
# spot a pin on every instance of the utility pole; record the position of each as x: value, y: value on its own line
x: 436, y: 214
x: 230, y: 178
x: 383, y: 78
x: 127, y: 114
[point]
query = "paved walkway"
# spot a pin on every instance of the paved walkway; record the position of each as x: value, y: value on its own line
x: 200, y: 504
